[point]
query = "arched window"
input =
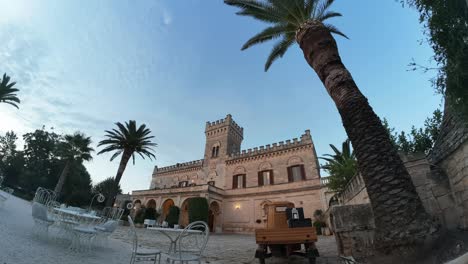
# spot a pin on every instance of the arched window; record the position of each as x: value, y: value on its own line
x: 213, y: 152
x: 296, y: 173
x: 217, y: 151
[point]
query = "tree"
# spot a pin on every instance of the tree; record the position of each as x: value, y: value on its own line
x: 399, y: 215
x: 40, y: 156
x: 11, y: 160
x: 73, y: 148
x: 106, y: 187
x: 446, y: 27
x: 420, y: 140
x: 127, y: 140
x: 173, y: 216
x: 341, y: 166
x: 8, y: 92
x: 77, y: 190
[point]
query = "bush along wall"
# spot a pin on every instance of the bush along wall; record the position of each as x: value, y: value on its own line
x: 140, y: 216
x: 151, y: 213
x: 198, y: 209
x: 173, y: 216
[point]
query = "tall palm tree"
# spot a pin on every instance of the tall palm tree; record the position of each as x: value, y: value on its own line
x: 73, y: 148
x: 399, y: 215
x: 127, y: 140
x: 341, y: 166
x: 7, y: 92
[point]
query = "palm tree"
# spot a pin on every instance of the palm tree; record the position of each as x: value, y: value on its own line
x: 74, y: 148
x: 341, y: 166
x: 127, y: 140
x: 399, y: 215
x: 7, y: 92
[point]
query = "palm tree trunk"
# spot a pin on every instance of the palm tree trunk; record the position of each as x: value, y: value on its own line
x: 123, y: 164
x: 400, y: 217
x: 63, y: 177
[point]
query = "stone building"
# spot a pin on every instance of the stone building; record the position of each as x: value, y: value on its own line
x: 237, y: 183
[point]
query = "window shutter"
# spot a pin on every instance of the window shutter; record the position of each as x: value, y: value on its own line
x: 271, y: 178
x: 234, y: 182
x: 303, y: 172
x: 290, y: 176
x: 260, y: 178
x: 243, y: 181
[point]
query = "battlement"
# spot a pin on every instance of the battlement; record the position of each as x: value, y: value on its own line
x: 180, y: 166
x: 305, y: 139
x: 228, y: 121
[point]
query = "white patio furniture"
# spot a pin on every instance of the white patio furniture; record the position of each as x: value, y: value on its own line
x: 140, y: 254
x: 173, y: 234
x: 149, y: 223
x: 40, y: 211
x: 105, y: 230
x: 190, y: 244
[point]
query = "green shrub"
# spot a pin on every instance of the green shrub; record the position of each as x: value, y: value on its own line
x: 151, y: 213
x: 318, y: 226
x: 198, y: 209
x: 173, y: 216
x: 140, y: 216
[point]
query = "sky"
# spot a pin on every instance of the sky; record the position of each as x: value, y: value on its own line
x: 175, y: 64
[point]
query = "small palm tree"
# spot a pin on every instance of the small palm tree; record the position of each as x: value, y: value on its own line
x: 73, y: 148
x: 341, y: 166
x: 127, y: 140
x: 7, y: 92
x: 388, y: 183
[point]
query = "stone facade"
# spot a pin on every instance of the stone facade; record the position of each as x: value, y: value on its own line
x: 237, y: 183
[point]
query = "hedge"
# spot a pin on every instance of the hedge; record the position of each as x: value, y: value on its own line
x: 198, y: 209
x: 173, y: 216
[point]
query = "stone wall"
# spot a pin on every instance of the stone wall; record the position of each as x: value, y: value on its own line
x: 354, y: 229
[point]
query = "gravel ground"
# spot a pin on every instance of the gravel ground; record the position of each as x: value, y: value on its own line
x: 18, y: 244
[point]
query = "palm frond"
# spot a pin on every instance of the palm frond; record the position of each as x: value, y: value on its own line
x: 267, y: 34
x: 335, y: 30
x: 8, y: 92
x: 279, y: 50
x: 328, y: 15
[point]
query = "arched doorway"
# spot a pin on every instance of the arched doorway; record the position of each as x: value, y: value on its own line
x: 165, y: 207
x: 184, y: 214
x: 151, y: 204
x: 213, y: 212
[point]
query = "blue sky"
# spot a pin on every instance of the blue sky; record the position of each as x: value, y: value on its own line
x: 175, y: 64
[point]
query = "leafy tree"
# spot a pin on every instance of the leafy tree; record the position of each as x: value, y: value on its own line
x: 73, y: 148
x: 11, y: 160
x: 77, y: 187
x: 198, y: 209
x: 446, y: 27
x: 8, y: 92
x: 151, y: 213
x: 127, y: 140
x: 418, y: 140
x: 106, y: 187
x: 302, y: 21
x: 341, y: 166
x: 40, y: 155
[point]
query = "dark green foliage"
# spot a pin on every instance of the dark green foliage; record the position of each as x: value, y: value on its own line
x: 39, y: 164
x: 126, y: 211
x: 198, y: 209
x: 107, y: 188
x: 140, y: 216
x: 341, y: 166
x: 446, y: 26
x: 285, y: 17
x: 151, y: 213
x: 8, y: 92
x: 173, y: 216
x: 318, y: 226
x: 419, y: 140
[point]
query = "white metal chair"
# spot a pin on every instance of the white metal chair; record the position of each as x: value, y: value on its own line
x: 139, y: 254
x: 40, y: 214
x: 191, y: 244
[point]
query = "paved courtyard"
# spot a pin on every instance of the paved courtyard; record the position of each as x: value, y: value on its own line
x: 18, y: 245
x: 231, y: 248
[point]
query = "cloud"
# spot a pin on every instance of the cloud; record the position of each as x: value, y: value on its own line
x: 166, y: 17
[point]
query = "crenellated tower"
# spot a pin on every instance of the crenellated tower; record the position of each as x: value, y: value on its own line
x: 223, y: 138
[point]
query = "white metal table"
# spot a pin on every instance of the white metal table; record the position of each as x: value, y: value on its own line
x: 173, y: 234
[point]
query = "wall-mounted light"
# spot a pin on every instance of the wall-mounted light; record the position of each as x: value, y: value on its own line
x: 237, y: 206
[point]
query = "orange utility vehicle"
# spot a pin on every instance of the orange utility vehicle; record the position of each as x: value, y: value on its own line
x: 279, y: 240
